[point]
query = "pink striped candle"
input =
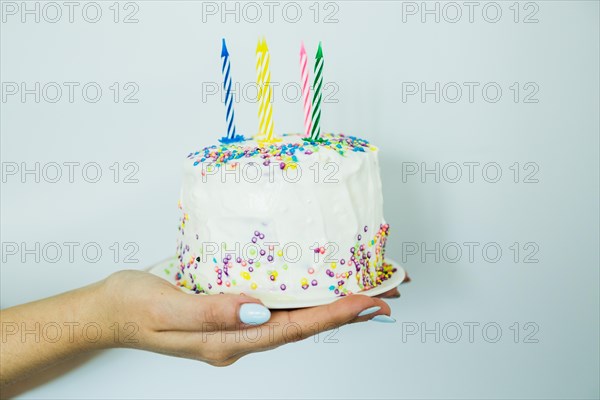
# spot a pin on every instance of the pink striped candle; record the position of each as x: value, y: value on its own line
x: 305, y: 90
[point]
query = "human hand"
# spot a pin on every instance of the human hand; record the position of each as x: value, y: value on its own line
x: 218, y: 329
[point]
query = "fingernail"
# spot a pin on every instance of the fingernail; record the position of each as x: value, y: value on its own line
x: 254, y: 314
x: 383, y: 318
x: 368, y: 311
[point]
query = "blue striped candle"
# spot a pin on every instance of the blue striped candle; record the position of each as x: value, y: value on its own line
x: 230, y: 114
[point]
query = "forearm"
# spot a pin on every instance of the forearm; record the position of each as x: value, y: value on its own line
x: 42, y: 333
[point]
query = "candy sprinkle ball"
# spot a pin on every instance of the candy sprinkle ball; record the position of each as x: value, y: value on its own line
x: 284, y: 154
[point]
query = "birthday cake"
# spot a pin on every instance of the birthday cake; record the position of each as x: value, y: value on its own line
x: 288, y: 219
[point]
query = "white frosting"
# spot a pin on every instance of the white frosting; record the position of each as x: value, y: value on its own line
x: 323, y: 201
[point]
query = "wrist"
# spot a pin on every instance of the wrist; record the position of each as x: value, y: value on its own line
x: 115, y: 312
x: 91, y: 315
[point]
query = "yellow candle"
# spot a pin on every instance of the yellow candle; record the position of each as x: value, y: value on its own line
x: 265, y: 108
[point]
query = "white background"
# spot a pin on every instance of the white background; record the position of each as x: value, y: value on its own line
x: 172, y: 54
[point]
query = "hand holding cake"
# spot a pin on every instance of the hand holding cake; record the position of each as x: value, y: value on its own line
x: 214, y: 328
x: 136, y: 309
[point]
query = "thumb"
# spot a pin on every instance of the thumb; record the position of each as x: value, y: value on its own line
x: 216, y: 312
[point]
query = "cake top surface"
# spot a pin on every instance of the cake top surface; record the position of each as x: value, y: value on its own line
x: 283, y: 152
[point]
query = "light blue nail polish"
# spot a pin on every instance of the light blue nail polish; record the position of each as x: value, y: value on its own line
x: 254, y: 314
x: 383, y: 318
x: 368, y: 311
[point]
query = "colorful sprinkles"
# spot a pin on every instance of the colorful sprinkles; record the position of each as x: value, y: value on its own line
x: 365, y: 264
x: 284, y: 154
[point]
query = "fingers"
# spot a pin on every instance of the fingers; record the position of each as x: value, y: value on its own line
x: 212, y: 312
x: 348, y: 309
x: 217, y: 346
x: 289, y: 326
